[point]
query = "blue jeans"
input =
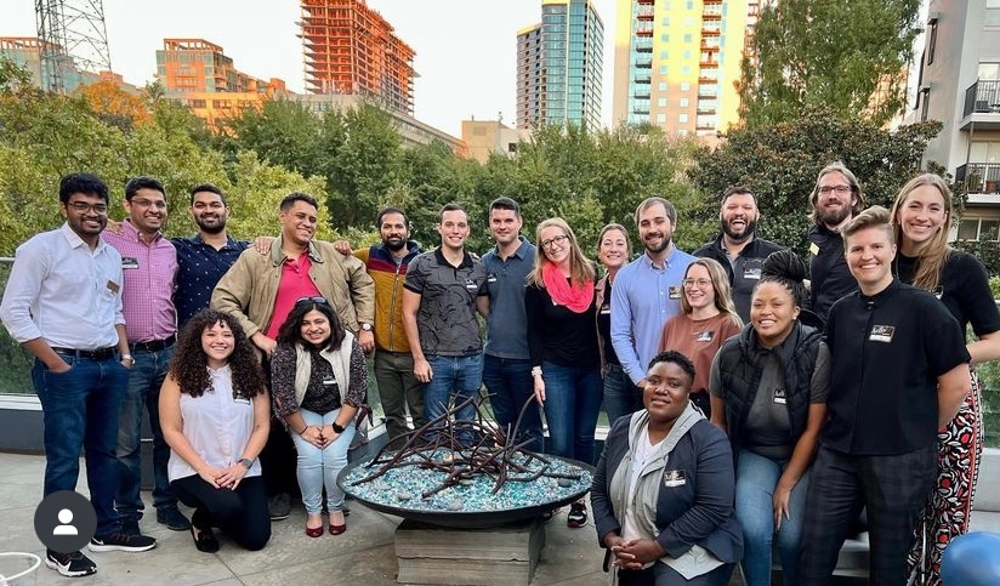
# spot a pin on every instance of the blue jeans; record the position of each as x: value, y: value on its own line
x: 509, y: 383
x: 457, y: 377
x: 756, y: 479
x: 621, y: 397
x: 572, y: 405
x: 144, y: 381
x: 80, y: 408
x: 319, y: 468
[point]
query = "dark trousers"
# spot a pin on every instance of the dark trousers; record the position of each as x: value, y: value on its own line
x: 242, y: 513
x: 510, y: 385
x: 893, y: 488
x: 663, y: 575
x: 278, y: 459
x: 398, y: 389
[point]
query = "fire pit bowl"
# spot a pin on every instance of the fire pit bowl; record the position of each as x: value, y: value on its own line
x: 403, y: 490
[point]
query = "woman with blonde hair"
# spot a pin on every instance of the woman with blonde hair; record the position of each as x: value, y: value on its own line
x: 562, y: 341
x: 614, y: 252
x: 708, y: 318
x: 921, y: 217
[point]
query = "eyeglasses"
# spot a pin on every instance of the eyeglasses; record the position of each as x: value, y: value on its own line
x: 149, y: 203
x: 83, y: 208
x: 554, y: 240
x: 699, y: 283
x: 840, y: 189
x: 317, y: 300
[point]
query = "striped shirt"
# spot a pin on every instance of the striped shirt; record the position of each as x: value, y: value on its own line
x: 150, y: 272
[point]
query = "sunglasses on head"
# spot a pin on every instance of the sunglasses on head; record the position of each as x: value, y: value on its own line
x: 316, y: 300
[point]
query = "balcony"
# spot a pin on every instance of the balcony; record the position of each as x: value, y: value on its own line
x: 979, y: 178
x: 982, y: 105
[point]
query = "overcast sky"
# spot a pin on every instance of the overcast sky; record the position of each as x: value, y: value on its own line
x: 465, y: 49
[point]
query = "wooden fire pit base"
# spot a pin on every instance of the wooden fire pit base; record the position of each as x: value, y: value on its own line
x: 428, y: 554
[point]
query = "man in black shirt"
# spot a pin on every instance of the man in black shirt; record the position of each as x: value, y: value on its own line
x: 836, y: 199
x: 900, y: 372
x: 737, y: 247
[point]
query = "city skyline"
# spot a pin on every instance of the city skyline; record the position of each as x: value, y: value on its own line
x: 466, y: 49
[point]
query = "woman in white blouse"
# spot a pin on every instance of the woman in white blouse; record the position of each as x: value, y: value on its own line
x: 215, y: 415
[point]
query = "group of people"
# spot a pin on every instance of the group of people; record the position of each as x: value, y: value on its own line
x: 749, y: 405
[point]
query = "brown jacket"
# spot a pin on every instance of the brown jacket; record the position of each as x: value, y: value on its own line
x: 250, y: 287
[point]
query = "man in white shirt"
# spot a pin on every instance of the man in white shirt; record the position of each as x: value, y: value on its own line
x: 63, y: 304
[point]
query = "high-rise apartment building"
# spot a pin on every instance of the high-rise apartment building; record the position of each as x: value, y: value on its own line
x: 196, y: 65
x: 350, y: 49
x: 26, y: 52
x: 958, y: 83
x: 559, y: 66
x: 677, y: 62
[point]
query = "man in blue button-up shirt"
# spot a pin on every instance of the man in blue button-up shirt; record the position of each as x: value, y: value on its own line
x: 646, y: 294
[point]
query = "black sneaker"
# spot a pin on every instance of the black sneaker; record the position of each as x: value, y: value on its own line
x: 172, y: 518
x: 122, y: 542
x: 72, y: 564
x: 577, y: 516
x: 280, y: 506
x: 131, y: 527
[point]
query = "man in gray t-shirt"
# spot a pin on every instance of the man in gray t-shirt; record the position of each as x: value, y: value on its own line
x: 443, y: 291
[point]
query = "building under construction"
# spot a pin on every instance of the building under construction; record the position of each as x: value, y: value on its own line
x: 350, y: 49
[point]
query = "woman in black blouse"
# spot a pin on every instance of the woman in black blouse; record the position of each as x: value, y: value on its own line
x: 921, y: 217
x: 319, y: 381
x: 562, y: 340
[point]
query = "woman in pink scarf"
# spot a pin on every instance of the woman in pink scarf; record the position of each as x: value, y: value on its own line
x: 562, y: 339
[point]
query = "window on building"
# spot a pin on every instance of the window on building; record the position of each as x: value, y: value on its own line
x: 196, y: 103
x: 684, y: 102
x: 687, y: 38
x: 661, y: 102
x: 662, y: 86
x: 932, y: 28
x: 992, y: 13
x: 989, y: 71
x: 661, y: 118
x: 683, y: 118
x: 685, y: 86
x: 925, y: 102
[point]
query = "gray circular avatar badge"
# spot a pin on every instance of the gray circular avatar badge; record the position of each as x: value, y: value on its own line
x: 65, y: 521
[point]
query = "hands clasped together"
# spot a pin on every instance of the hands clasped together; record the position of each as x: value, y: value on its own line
x: 633, y: 554
x: 228, y: 477
x: 320, y: 436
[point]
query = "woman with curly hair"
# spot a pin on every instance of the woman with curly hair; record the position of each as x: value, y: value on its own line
x: 560, y: 304
x: 320, y: 382
x: 921, y: 217
x: 215, y: 413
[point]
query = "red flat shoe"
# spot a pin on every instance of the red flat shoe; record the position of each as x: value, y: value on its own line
x: 337, y: 529
x: 316, y: 531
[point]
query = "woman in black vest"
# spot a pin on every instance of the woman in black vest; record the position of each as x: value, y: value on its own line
x: 768, y: 389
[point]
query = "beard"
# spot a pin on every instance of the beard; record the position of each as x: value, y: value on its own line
x: 834, y: 218
x: 664, y: 244
x: 394, y: 244
x: 211, y: 228
x: 748, y: 230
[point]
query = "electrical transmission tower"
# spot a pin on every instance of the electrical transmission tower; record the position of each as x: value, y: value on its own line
x: 73, y: 37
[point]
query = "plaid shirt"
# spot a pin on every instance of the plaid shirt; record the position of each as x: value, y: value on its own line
x: 150, y: 273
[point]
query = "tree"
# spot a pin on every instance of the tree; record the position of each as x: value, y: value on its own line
x: 780, y: 162
x: 114, y: 105
x: 818, y: 52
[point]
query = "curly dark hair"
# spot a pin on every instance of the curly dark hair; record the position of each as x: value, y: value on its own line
x: 291, y: 331
x: 190, y: 364
x: 677, y: 358
x: 788, y: 270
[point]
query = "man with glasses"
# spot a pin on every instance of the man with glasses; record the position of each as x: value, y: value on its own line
x: 737, y: 247
x: 261, y: 289
x: 63, y: 303
x: 645, y: 296
x: 149, y: 262
x: 444, y: 289
x: 836, y: 199
x: 506, y: 362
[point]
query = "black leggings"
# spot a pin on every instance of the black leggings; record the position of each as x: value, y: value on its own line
x: 241, y: 513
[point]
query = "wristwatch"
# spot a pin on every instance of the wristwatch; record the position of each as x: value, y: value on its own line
x: 337, y: 427
x: 366, y: 327
x: 246, y: 462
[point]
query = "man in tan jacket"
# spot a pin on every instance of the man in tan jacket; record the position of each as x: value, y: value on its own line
x: 261, y: 289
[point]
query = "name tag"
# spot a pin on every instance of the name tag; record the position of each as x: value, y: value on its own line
x: 470, y: 285
x: 778, y: 397
x: 705, y: 336
x: 813, y: 249
x: 241, y: 401
x: 491, y: 278
x: 674, y: 478
x: 606, y: 309
x: 113, y: 287
x: 130, y: 263
x: 329, y: 382
x: 882, y: 333
x: 674, y: 292
x: 751, y: 273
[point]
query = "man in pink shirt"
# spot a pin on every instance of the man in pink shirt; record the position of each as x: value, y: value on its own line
x: 149, y: 262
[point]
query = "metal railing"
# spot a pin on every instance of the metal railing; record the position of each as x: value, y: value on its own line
x: 979, y: 177
x: 982, y: 97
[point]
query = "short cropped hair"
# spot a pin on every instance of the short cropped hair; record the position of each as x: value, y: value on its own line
x: 289, y: 200
x: 738, y: 190
x: 209, y: 188
x: 391, y: 210
x: 133, y: 185
x: 873, y: 217
x: 652, y: 201
x: 505, y: 203
x: 451, y: 207
x: 85, y: 183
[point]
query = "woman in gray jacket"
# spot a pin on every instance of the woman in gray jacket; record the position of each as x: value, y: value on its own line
x: 663, y: 491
